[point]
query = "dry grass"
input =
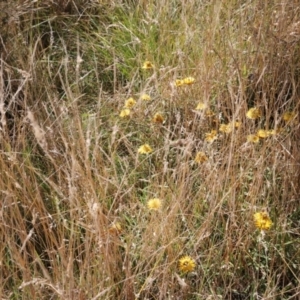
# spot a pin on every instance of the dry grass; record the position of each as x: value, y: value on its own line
x: 74, y: 217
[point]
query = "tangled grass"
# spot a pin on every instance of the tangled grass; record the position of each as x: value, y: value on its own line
x: 152, y: 198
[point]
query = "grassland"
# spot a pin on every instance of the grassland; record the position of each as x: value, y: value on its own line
x: 76, y: 221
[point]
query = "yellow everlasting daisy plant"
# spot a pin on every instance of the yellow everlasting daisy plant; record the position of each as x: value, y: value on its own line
x: 129, y: 103
x: 154, y: 204
x: 253, y: 138
x: 263, y: 133
x: 179, y: 82
x: 158, y: 118
x: 124, y: 113
x: 115, y: 227
x: 200, y: 157
x: 189, y: 80
x: 147, y: 65
x: 201, y: 106
x: 211, y: 136
x: 185, y: 81
x: 145, y: 97
x: 262, y: 220
x: 253, y: 113
x: 289, y: 116
x: 145, y: 149
x: 226, y: 128
x: 186, y: 264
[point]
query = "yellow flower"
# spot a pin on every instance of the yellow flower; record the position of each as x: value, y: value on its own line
x: 253, y: 138
x: 236, y: 124
x: 201, y: 157
x: 262, y: 133
x: 289, y: 116
x: 158, y: 118
x: 179, y: 82
x: 253, y: 113
x: 115, y: 227
x: 147, y: 65
x: 185, y: 81
x: 129, y: 103
x: 227, y: 128
x: 154, y: 204
x: 189, y: 80
x: 262, y: 220
x: 211, y: 136
x: 201, y: 106
x: 145, y: 149
x: 145, y: 97
x: 274, y: 131
x: 186, y: 264
x: 124, y: 113
x: 209, y: 113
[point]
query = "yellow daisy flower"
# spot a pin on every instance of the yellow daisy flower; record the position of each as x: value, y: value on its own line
x: 200, y: 157
x: 201, y: 106
x: 179, y: 82
x: 236, y: 124
x: 154, y: 204
x: 274, y: 131
x: 124, y: 113
x: 227, y: 128
x: 145, y: 149
x: 158, y: 118
x: 145, y: 97
x: 147, y: 65
x: 253, y: 113
x: 289, y: 116
x: 209, y: 113
x: 186, y: 264
x: 129, y: 103
x: 262, y: 220
x: 253, y: 138
x: 189, y: 80
x: 262, y: 133
x: 211, y: 136
x: 115, y: 227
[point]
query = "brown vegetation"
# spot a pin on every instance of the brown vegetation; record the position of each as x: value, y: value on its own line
x: 75, y: 219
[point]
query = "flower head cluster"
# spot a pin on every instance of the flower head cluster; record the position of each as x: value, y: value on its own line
x: 211, y: 136
x: 227, y: 128
x: 262, y: 220
x: 147, y: 65
x: 253, y: 113
x: 201, y: 157
x: 289, y: 116
x: 201, y: 106
x: 253, y: 138
x: 145, y: 97
x: 115, y: 227
x: 186, y: 264
x: 236, y: 124
x: 124, y: 113
x: 145, y: 149
x: 158, y: 118
x: 209, y: 113
x: 129, y: 103
x: 185, y: 81
x: 261, y: 134
x: 188, y: 80
x: 154, y: 204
